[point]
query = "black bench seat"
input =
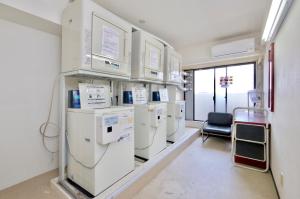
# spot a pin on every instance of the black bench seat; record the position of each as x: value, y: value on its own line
x: 217, y: 124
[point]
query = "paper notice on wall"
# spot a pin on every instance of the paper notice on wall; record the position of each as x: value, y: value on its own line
x: 139, y: 95
x: 163, y: 94
x: 110, y: 43
x: 154, y: 57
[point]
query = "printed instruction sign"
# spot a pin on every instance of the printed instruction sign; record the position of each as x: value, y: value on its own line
x: 163, y: 93
x: 154, y: 58
x: 110, y: 43
x: 139, y: 95
x: 94, y: 96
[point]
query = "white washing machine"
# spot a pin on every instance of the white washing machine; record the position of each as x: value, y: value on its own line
x: 175, y: 120
x: 150, y: 129
x: 101, y: 146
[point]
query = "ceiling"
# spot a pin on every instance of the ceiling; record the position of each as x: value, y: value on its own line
x: 181, y: 23
x: 188, y: 22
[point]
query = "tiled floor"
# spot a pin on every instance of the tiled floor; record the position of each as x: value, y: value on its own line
x: 201, y: 171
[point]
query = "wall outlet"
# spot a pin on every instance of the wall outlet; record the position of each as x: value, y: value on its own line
x: 281, y: 178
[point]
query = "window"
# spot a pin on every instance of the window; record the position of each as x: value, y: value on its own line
x: 221, y: 89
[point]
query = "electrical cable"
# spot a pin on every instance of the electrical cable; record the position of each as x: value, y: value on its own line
x: 44, y: 126
x: 146, y: 147
x: 175, y: 130
x: 82, y: 164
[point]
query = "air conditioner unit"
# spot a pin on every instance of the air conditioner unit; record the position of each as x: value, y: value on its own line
x: 234, y: 48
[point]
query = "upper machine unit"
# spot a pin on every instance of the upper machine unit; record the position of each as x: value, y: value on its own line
x: 147, y: 57
x: 173, y: 64
x: 96, y: 40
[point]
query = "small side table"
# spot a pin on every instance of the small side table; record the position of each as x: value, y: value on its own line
x: 250, y: 138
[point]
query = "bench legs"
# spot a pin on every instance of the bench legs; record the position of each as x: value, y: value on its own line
x: 204, y: 138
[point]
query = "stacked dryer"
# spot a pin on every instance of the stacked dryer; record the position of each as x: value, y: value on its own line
x: 150, y: 118
x: 175, y: 102
x: 96, y: 47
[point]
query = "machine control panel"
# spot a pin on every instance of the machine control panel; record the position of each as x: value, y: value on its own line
x: 114, y: 127
x: 156, y: 117
x: 179, y: 111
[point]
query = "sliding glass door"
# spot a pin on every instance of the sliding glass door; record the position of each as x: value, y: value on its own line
x: 220, y: 92
x: 221, y: 89
x: 243, y: 81
x: 203, y: 93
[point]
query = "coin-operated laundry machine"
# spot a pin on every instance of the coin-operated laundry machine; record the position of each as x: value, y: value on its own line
x: 150, y: 129
x: 175, y: 120
x: 150, y: 126
x: 175, y: 114
x: 100, y: 140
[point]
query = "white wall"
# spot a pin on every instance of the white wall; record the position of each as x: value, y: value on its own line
x: 29, y: 61
x: 285, y: 136
x: 201, y: 53
x: 49, y: 10
x: 199, y: 56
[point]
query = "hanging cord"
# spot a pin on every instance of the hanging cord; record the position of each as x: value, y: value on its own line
x: 175, y: 130
x: 82, y: 164
x: 44, y: 126
x: 146, y: 147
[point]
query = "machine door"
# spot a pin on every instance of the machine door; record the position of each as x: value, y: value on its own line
x: 109, y: 46
x: 154, y: 59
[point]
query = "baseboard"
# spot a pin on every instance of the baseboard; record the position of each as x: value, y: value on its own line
x: 277, y: 192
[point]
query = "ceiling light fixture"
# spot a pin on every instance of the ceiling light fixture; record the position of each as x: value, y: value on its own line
x: 277, y: 13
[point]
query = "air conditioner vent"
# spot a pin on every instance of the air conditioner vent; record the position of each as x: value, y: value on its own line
x: 234, y: 48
